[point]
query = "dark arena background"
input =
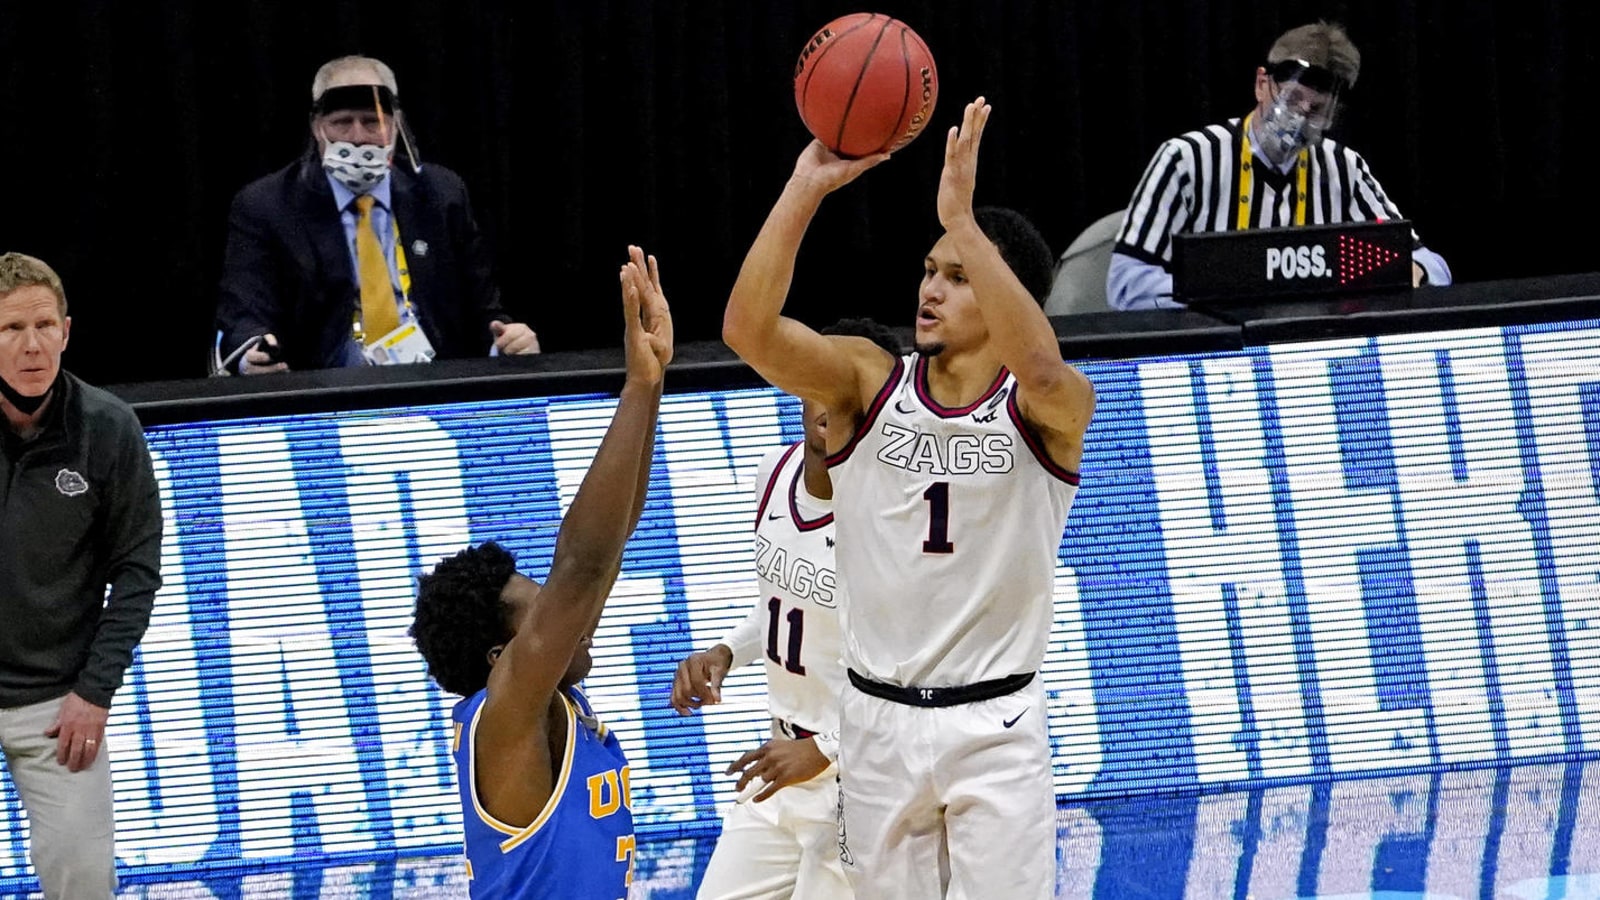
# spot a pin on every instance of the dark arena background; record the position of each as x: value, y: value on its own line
x: 1327, y: 610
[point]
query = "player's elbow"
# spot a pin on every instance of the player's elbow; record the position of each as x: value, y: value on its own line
x: 733, y: 334
x: 1059, y: 384
x: 742, y: 332
x: 1042, y: 373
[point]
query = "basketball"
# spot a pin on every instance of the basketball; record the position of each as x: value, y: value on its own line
x: 865, y: 84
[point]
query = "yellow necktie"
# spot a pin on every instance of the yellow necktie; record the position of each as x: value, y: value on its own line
x: 379, y: 316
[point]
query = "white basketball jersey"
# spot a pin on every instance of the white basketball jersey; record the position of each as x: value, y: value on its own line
x: 795, y: 622
x: 949, y: 521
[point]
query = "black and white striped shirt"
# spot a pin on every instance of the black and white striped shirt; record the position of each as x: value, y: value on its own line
x: 1190, y: 186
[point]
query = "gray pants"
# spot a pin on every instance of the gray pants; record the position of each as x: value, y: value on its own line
x: 69, y: 813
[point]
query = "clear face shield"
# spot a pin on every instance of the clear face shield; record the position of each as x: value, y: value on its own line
x: 1302, y: 105
x: 360, y: 132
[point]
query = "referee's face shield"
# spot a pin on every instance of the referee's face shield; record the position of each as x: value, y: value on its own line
x: 1296, y: 103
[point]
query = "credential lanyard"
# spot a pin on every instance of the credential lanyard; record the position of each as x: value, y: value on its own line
x: 1247, y: 165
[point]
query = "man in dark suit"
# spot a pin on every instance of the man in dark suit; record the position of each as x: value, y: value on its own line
x: 349, y: 256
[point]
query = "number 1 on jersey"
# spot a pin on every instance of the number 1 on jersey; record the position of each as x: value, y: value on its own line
x: 797, y: 631
x: 938, y: 497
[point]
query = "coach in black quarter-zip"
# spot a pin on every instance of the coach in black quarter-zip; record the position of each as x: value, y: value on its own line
x: 79, y: 513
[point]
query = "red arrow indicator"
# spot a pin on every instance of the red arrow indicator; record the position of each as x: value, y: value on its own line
x: 1358, y: 258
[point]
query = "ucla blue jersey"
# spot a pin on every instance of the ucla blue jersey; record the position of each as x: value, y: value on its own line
x: 580, y: 847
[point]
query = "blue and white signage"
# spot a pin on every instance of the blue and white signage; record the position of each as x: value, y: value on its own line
x: 1286, y: 566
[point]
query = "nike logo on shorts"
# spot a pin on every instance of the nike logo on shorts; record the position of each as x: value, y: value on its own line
x: 1012, y: 721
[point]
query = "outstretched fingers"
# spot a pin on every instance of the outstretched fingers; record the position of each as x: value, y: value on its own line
x: 628, y: 275
x: 962, y: 141
x: 655, y: 275
x: 959, y: 178
x: 657, y: 314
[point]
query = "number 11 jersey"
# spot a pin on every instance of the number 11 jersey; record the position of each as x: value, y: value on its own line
x: 795, y: 623
x: 948, y: 524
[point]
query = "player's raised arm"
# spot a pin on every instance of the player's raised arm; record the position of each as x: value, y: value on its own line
x: 1054, y: 397
x: 554, y: 618
x: 784, y: 351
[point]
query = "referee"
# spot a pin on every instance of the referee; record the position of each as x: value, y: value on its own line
x: 1272, y: 169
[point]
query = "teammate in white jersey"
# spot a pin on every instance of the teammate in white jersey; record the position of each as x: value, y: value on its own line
x: 783, y: 844
x: 954, y: 469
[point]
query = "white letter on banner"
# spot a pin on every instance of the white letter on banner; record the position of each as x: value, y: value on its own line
x: 1442, y: 514
x: 166, y: 802
x: 1584, y: 847
x: 1074, y: 724
x: 1333, y: 523
x: 613, y: 690
x: 1455, y: 855
x: 1220, y: 821
x: 1281, y: 846
x: 1079, y: 843
x: 1559, y: 366
x: 1362, y: 814
x: 713, y: 509
x: 1203, y: 560
x: 292, y: 724
x: 413, y: 713
x: 1526, y: 850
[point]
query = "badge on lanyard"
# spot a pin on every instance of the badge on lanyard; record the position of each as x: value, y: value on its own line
x: 404, y: 345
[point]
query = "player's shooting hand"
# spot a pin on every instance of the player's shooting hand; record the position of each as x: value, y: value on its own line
x: 648, y: 335
x: 699, y: 679
x: 824, y: 171
x: 779, y: 762
x: 960, y: 174
x: 79, y: 730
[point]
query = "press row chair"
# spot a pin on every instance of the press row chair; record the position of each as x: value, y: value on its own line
x: 1080, y: 280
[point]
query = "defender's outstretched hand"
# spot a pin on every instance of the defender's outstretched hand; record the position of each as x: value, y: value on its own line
x: 647, y: 319
x: 826, y: 172
x: 960, y: 174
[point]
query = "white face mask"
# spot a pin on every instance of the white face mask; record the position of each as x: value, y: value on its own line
x: 359, y: 167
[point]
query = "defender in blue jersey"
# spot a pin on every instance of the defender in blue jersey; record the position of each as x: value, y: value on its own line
x: 544, y: 785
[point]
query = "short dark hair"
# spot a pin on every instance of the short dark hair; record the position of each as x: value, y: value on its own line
x: 871, y: 329
x: 460, y: 616
x: 1022, y: 247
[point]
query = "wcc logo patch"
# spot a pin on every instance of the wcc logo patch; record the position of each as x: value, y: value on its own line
x: 70, y: 483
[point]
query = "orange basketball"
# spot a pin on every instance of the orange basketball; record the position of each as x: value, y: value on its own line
x: 865, y: 84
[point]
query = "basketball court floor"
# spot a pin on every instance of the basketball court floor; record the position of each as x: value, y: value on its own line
x: 1529, y: 832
